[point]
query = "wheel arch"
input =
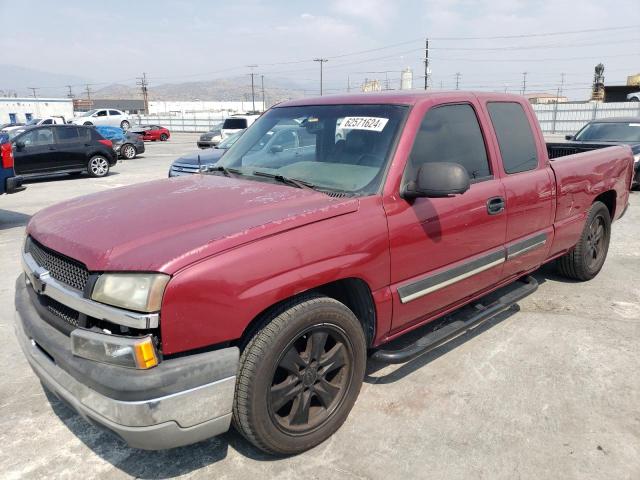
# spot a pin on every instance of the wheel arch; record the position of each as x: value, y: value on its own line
x: 353, y: 292
x: 609, y: 198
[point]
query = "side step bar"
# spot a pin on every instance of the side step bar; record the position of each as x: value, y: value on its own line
x: 459, y: 326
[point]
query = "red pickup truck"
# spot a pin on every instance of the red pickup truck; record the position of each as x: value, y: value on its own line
x: 253, y: 293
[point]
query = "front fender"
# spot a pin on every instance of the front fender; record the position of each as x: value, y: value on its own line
x: 213, y: 301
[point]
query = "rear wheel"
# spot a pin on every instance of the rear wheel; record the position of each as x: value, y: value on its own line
x: 125, y: 125
x: 585, y: 260
x: 128, y: 151
x: 98, y: 166
x: 299, y: 375
x: 87, y: 123
x: 164, y: 137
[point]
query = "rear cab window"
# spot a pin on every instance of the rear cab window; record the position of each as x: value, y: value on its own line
x: 515, y: 137
x: 450, y: 133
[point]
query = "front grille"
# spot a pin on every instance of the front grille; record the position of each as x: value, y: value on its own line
x: 61, y: 268
x: 67, y: 314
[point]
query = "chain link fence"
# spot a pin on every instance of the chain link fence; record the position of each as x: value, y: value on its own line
x: 563, y: 118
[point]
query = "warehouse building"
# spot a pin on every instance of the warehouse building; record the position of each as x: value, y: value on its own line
x: 23, y: 109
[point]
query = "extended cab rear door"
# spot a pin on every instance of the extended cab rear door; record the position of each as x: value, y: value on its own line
x: 528, y: 180
x: 444, y: 250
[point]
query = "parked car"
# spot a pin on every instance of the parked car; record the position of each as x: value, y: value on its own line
x: 53, y: 149
x: 634, y: 97
x: 202, y: 161
x: 103, y: 116
x: 152, y: 132
x: 9, y: 181
x: 10, y: 126
x: 607, y: 132
x: 211, y: 138
x: 235, y: 123
x: 56, y: 120
x: 126, y: 144
x: 255, y: 293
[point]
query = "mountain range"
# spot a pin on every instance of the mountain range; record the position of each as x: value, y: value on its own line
x: 15, y: 80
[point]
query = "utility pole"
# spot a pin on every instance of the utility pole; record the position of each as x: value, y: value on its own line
x: 70, y: 94
x: 441, y: 84
x: 524, y: 82
x: 264, y: 105
x: 321, y: 60
x: 253, y: 90
x: 458, y: 77
x: 426, y: 64
x: 33, y: 89
x: 561, y: 88
x: 348, y: 84
x: 143, y: 83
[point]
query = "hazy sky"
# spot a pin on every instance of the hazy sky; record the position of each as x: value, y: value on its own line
x: 114, y: 41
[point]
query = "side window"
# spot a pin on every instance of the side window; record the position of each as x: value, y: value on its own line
x: 306, y: 138
x: 451, y: 133
x: 41, y: 136
x: 515, y: 138
x: 114, y: 112
x: 67, y: 135
x: 101, y: 113
x: 48, y: 121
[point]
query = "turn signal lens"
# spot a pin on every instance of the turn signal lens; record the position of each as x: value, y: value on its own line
x: 128, y: 352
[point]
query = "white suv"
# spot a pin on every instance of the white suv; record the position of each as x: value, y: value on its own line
x: 236, y: 123
x: 103, y: 116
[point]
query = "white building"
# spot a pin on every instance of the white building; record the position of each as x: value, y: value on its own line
x: 25, y: 108
x: 160, y: 107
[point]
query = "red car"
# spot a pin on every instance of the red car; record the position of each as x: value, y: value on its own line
x: 152, y: 132
x: 254, y: 292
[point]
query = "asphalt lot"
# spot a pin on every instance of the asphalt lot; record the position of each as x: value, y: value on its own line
x: 549, y: 390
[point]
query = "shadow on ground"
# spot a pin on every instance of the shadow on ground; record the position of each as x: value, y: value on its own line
x: 63, y: 176
x: 11, y: 219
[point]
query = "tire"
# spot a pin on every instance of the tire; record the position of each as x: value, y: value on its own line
x: 164, y: 137
x: 98, y: 166
x: 87, y: 123
x: 128, y: 151
x: 327, y: 382
x: 125, y: 125
x: 584, y: 261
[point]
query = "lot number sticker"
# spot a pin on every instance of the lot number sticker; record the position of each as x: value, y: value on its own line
x: 374, y: 124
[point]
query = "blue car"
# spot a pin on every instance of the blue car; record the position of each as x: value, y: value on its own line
x: 125, y: 144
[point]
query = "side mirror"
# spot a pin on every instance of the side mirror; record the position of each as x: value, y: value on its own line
x: 568, y: 137
x: 20, y: 145
x: 276, y: 149
x: 435, y: 180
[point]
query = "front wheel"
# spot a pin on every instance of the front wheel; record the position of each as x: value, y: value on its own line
x: 98, y: 166
x: 299, y: 375
x: 585, y: 260
x: 87, y: 123
x: 125, y: 125
x: 128, y: 151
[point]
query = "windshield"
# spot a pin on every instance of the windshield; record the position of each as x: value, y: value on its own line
x: 89, y: 113
x: 230, y: 140
x: 33, y: 121
x: 610, y: 132
x: 234, y: 123
x: 342, y: 148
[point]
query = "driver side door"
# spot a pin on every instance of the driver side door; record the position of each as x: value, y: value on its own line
x: 444, y: 250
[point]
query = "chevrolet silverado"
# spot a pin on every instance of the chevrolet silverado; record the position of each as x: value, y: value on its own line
x: 253, y: 294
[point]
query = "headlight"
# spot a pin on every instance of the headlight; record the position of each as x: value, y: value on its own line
x: 135, y: 291
x: 114, y: 349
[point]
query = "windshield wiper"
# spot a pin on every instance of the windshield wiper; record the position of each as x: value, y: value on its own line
x: 228, y: 172
x: 287, y: 180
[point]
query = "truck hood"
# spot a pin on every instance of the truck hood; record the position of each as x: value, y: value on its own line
x: 165, y: 225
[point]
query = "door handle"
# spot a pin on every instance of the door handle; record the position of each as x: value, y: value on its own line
x: 495, y: 205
